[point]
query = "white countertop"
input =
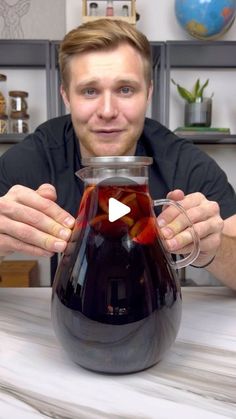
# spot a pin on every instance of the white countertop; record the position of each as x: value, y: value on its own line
x: 195, y: 380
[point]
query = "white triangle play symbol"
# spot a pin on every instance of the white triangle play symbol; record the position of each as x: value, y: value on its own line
x: 116, y: 209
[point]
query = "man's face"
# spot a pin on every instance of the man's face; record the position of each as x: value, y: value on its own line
x: 107, y: 98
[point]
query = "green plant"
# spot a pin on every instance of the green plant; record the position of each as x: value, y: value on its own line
x: 196, y: 95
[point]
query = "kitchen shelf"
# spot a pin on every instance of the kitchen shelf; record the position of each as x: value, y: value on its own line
x: 11, y: 138
x: 165, y: 56
x: 194, y: 55
x: 28, y: 54
x: 130, y: 3
x: 219, y: 139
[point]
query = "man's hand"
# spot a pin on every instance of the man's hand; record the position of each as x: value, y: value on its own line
x: 204, y: 215
x: 31, y: 222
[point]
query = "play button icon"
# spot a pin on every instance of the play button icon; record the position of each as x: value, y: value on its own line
x: 116, y: 209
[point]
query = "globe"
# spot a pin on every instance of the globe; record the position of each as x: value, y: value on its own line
x: 205, y: 19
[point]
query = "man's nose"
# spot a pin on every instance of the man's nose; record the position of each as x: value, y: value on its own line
x: 107, y: 107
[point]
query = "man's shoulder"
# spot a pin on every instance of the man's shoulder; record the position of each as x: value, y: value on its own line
x: 160, y: 139
x: 56, y: 131
x: 154, y: 129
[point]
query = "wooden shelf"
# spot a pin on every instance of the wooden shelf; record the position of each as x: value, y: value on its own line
x: 28, y: 54
x: 189, y: 55
x: 130, y: 19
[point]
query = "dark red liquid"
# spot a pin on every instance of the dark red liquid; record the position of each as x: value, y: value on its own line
x: 116, y: 303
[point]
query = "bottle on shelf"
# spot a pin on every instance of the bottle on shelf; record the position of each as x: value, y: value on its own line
x: 110, y: 8
x: 125, y: 10
x: 93, y: 9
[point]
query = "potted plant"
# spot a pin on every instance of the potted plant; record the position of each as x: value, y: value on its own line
x: 198, y: 108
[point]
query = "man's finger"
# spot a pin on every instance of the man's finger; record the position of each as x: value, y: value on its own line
x: 47, y: 191
x: 10, y: 244
x: 32, y: 199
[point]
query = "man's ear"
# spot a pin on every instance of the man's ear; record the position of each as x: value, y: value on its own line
x: 65, y: 97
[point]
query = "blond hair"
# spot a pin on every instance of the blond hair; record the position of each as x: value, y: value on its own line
x: 100, y: 35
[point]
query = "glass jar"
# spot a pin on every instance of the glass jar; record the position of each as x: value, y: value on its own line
x: 93, y: 9
x: 110, y: 8
x: 19, y: 122
x: 125, y: 10
x: 18, y: 101
x: 3, y: 124
x: 3, y: 103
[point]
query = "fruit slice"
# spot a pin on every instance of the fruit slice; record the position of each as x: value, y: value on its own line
x: 116, y: 229
x: 81, y: 220
x: 98, y: 219
x: 144, y: 230
x: 127, y: 220
x: 144, y: 203
x: 85, y: 197
x: 131, y: 201
x: 129, y: 198
x: 104, y: 194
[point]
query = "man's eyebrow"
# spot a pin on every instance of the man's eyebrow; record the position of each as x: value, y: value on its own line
x: 96, y: 81
x: 128, y: 81
x: 87, y: 82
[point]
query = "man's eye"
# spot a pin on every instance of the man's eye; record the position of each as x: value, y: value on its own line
x: 90, y: 92
x: 126, y: 90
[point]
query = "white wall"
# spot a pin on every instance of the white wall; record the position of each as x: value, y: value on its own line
x: 157, y: 20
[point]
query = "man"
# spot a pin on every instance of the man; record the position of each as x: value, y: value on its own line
x: 106, y: 86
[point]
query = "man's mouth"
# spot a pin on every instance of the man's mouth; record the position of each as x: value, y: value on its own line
x: 109, y: 134
x: 108, y: 131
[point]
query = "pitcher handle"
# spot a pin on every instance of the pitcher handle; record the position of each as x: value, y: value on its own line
x: 196, y: 242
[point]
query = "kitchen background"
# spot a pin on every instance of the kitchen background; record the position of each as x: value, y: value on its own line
x: 51, y: 19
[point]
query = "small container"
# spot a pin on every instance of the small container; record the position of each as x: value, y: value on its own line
x: 93, y: 9
x: 3, y: 103
x: 125, y: 10
x: 198, y: 114
x: 19, y: 122
x: 110, y: 8
x: 3, y: 124
x: 18, y: 101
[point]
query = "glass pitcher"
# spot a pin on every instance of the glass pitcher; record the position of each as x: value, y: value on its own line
x: 116, y: 298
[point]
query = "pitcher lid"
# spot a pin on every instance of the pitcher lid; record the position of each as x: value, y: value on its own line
x: 117, y: 160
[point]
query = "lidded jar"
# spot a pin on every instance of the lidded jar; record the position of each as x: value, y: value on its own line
x: 93, y: 9
x: 125, y: 10
x: 19, y: 122
x: 18, y: 101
